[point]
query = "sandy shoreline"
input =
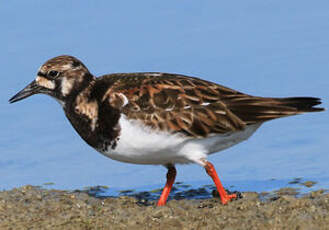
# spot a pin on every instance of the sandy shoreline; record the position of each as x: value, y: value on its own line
x: 31, y: 207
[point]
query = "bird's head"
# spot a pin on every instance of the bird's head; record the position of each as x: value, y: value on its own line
x: 60, y: 77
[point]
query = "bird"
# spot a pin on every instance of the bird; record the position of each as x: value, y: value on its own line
x: 157, y: 118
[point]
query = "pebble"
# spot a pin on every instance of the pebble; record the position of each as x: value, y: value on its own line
x: 56, y: 209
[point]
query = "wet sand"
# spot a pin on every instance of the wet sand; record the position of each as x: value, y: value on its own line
x: 31, y: 207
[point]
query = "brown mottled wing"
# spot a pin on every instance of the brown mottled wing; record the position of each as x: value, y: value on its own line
x: 194, y: 107
x: 174, y: 103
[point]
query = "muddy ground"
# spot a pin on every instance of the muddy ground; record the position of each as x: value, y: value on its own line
x: 31, y: 207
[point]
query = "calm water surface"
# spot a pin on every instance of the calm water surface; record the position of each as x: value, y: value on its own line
x: 272, y: 48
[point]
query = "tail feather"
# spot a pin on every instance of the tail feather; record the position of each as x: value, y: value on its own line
x: 259, y: 109
x: 302, y: 104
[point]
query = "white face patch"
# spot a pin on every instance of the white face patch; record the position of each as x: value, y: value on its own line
x: 67, y: 85
x: 44, y: 82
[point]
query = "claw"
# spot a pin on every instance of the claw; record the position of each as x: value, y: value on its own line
x: 225, y: 198
x: 228, y: 198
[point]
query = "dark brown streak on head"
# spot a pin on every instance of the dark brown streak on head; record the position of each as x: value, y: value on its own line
x: 41, y: 74
x: 67, y: 74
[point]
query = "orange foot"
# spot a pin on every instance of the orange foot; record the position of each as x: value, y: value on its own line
x: 227, y: 198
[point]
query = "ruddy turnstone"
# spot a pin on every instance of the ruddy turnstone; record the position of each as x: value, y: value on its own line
x: 158, y: 118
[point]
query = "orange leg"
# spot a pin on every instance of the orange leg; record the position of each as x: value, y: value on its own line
x: 171, y: 175
x: 223, y: 195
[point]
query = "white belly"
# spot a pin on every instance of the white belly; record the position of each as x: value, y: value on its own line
x: 140, y: 145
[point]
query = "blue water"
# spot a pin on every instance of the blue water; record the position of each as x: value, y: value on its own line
x: 269, y: 48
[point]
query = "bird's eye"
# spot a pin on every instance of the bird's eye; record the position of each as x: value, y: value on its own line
x: 53, y: 73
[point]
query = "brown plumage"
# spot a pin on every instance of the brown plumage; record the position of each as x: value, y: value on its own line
x: 158, y: 118
x: 195, y: 107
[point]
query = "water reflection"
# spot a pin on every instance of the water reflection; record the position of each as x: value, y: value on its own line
x: 275, y: 188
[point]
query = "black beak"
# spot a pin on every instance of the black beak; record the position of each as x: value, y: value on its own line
x: 29, y: 90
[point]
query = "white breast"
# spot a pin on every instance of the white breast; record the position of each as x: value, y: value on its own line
x: 141, y: 145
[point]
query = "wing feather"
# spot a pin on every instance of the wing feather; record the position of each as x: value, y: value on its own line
x: 192, y: 106
x: 174, y: 103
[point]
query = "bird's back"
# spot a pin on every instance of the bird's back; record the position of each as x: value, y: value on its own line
x: 192, y: 106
